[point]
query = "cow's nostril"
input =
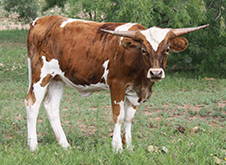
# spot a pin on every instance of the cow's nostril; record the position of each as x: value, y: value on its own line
x: 156, y: 73
x: 160, y: 73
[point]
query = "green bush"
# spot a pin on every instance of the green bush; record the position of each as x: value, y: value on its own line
x: 26, y: 9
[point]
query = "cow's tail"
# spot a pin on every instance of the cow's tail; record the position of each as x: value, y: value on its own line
x: 29, y: 55
x: 29, y: 72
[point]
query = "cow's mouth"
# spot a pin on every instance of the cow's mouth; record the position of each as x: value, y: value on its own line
x: 156, y: 79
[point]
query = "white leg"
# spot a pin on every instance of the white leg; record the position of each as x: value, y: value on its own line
x: 129, y: 115
x: 52, y: 104
x: 32, y: 102
x: 116, y: 140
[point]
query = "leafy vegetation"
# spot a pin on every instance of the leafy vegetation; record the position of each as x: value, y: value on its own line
x: 184, y: 122
x: 27, y: 9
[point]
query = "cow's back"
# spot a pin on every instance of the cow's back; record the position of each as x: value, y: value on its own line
x: 80, y: 47
x: 76, y: 44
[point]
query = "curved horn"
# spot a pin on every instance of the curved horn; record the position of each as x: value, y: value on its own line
x: 183, y: 31
x: 130, y: 34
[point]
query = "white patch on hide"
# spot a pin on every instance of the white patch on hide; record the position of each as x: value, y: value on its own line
x: 106, y: 71
x: 69, y: 20
x: 132, y: 97
x: 33, y: 23
x: 52, y: 68
x: 124, y: 27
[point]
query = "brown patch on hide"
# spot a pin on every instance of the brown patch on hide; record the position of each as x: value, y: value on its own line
x: 46, y: 80
x: 30, y: 99
x: 124, y: 139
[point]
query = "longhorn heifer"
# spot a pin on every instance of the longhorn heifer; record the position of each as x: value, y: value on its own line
x: 125, y: 58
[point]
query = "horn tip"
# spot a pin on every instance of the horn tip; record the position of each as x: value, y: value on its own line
x: 206, y: 25
x: 203, y: 26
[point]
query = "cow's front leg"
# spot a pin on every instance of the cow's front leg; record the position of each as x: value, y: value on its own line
x: 129, y: 115
x: 118, y: 117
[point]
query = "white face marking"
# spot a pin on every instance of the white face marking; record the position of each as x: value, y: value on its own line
x: 124, y: 27
x: 33, y: 23
x: 154, y: 36
x: 69, y: 20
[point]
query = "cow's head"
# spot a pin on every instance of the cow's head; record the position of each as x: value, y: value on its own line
x: 154, y: 45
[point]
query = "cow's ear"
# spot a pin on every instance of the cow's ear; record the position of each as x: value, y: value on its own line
x: 178, y: 44
x: 130, y: 44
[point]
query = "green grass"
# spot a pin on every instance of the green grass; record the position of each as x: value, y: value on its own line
x: 181, y: 99
x: 13, y: 36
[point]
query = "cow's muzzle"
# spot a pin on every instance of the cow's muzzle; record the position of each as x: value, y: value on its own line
x: 156, y: 74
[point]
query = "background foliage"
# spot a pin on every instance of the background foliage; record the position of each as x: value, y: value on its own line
x: 206, y: 52
x: 26, y: 9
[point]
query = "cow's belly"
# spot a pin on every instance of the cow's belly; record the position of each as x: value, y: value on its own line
x: 86, y: 90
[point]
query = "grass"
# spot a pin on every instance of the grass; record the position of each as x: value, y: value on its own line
x: 181, y: 100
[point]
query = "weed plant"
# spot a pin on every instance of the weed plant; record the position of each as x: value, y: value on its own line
x: 180, y: 103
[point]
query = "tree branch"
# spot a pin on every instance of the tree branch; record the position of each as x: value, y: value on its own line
x: 219, y: 15
x: 210, y: 5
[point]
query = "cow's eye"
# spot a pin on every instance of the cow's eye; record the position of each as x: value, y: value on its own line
x: 167, y: 50
x: 144, y: 52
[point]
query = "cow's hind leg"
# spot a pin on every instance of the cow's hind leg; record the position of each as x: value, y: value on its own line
x: 52, y: 104
x: 129, y: 115
x: 32, y: 102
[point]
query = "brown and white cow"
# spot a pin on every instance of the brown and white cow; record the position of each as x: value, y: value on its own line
x: 125, y: 58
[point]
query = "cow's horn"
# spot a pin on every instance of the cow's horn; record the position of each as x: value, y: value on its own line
x: 130, y: 34
x: 183, y: 31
